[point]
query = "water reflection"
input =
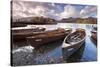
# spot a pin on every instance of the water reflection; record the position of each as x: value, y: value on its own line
x: 90, y: 51
x: 52, y: 52
x: 49, y: 53
x: 76, y: 57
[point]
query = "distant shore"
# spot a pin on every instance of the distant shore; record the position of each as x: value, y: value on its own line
x: 49, y: 21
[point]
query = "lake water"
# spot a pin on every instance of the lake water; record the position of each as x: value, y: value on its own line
x: 52, y: 52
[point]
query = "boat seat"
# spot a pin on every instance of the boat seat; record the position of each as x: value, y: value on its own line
x: 75, y: 38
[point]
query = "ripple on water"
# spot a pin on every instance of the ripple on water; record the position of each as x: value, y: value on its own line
x: 52, y: 53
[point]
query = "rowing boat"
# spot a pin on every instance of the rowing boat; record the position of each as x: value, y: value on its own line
x: 94, y: 37
x: 20, y: 33
x: 48, y: 36
x: 73, y: 42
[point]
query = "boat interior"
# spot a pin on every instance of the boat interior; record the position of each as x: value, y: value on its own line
x: 75, y: 37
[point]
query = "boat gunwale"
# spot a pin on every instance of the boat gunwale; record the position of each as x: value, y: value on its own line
x: 74, y: 43
x: 54, y: 34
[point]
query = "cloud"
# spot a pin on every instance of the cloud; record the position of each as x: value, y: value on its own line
x: 27, y: 9
x: 69, y: 11
x: 73, y: 11
x: 88, y: 10
x: 52, y: 10
x: 18, y: 9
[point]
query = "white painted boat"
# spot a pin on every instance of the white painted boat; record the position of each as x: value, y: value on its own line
x: 73, y: 42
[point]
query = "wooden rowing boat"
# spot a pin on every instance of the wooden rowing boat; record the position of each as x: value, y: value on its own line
x: 72, y: 42
x: 94, y: 37
x: 48, y: 36
x: 20, y: 33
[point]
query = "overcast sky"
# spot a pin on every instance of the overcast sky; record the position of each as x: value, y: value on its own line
x: 53, y: 10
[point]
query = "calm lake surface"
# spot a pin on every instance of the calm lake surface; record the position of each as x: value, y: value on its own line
x: 52, y: 52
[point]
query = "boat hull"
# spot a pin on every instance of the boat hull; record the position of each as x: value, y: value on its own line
x: 46, y: 38
x: 68, y: 51
x: 21, y: 34
x: 94, y: 37
x: 73, y: 42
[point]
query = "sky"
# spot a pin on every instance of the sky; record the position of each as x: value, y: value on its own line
x: 56, y: 11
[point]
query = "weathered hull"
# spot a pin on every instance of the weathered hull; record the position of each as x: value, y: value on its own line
x: 19, y: 35
x: 68, y: 51
x: 94, y: 37
x: 77, y: 55
x: 93, y: 40
x: 39, y: 41
x: 43, y: 39
x: 72, y: 43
